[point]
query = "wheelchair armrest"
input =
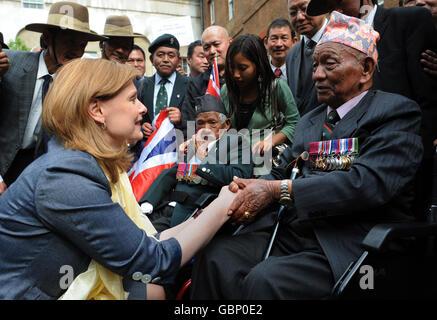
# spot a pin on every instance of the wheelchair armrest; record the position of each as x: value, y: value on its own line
x: 381, y: 234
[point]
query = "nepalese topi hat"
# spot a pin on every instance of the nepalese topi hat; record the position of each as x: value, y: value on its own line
x: 352, y: 32
x: 207, y: 103
x: 319, y: 7
x: 164, y: 40
x: 119, y: 26
x: 67, y: 16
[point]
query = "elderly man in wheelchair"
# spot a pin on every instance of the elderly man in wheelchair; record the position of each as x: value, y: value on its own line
x: 364, y: 149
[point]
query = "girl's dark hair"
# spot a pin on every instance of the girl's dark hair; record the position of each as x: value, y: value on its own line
x: 252, y: 48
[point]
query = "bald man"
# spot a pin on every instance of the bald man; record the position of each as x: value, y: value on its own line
x: 215, y: 41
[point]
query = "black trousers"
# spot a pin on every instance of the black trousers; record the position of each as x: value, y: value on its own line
x: 232, y: 267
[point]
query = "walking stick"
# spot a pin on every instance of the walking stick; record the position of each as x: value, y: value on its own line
x: 304, y: 156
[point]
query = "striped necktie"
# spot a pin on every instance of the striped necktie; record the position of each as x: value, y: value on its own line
x: 328, y: 126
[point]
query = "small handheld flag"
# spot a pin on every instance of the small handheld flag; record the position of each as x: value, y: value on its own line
x: 214, y: 82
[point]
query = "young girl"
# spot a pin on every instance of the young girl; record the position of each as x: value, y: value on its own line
x: 252, y: 94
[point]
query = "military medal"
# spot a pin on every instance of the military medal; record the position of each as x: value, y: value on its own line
x: 329, y: 155
x: 180, y: 174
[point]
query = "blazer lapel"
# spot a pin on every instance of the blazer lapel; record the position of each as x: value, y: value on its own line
x: 178, y: 89
x: 296, y: 65
x: 28, y: 82
x: 30, y: 70
x: 349, y: 124
x: 149, y: 92
x: 315, y: 127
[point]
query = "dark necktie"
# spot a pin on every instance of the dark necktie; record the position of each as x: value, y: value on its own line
x: 278, y: 72
x: 328, y: 126
x: 162, y: 98
x: 309, y: 47
x: 46, y: 85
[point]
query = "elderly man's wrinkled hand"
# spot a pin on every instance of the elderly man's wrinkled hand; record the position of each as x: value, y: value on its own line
x: 201, y: 140
x: 239, y: 184
x: 255, y: 195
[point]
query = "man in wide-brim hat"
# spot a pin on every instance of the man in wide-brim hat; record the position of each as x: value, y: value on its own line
x: 64, y: 38
x: 66, y: 33
x: 120, y: 39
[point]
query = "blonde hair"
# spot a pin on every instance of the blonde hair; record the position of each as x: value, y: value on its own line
x: 65, y: 109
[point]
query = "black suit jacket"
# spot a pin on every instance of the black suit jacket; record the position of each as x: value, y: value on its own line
x: 16, y: 94
x: 406, y: 33
x: 307, y: 99
x: 342, y: 206
x: 176, y: 99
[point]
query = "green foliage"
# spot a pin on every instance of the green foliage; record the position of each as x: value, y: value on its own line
x: 18, y: 44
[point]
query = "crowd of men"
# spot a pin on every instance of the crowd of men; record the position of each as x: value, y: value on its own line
x: 394, y: 113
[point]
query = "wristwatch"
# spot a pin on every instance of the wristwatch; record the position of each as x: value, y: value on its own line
x: 285, y: 199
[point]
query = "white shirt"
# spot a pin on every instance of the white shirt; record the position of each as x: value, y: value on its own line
x: 316, y: 38
x: 168, y: 86
x: 33, y: 126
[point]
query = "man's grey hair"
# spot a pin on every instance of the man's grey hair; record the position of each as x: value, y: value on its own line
x: 222, y: 117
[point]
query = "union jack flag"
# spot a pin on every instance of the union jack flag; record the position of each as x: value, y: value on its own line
x: 214, y: 83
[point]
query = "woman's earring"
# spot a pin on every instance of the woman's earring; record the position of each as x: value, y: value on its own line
x: 104, y: 126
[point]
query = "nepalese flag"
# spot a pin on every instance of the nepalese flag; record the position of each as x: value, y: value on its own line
x: 159, y: 153
x: 214, y: 82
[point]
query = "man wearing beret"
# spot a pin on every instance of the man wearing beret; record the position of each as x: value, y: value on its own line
x: 364, y: 150
x: 23, y: 87
x: 167, y: 87
x: 209, y: 161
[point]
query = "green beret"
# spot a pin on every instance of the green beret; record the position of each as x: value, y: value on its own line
x: 209, y: 103
x: 165, y: 40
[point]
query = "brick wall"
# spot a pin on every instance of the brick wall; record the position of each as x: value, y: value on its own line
x: 252, y: 16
